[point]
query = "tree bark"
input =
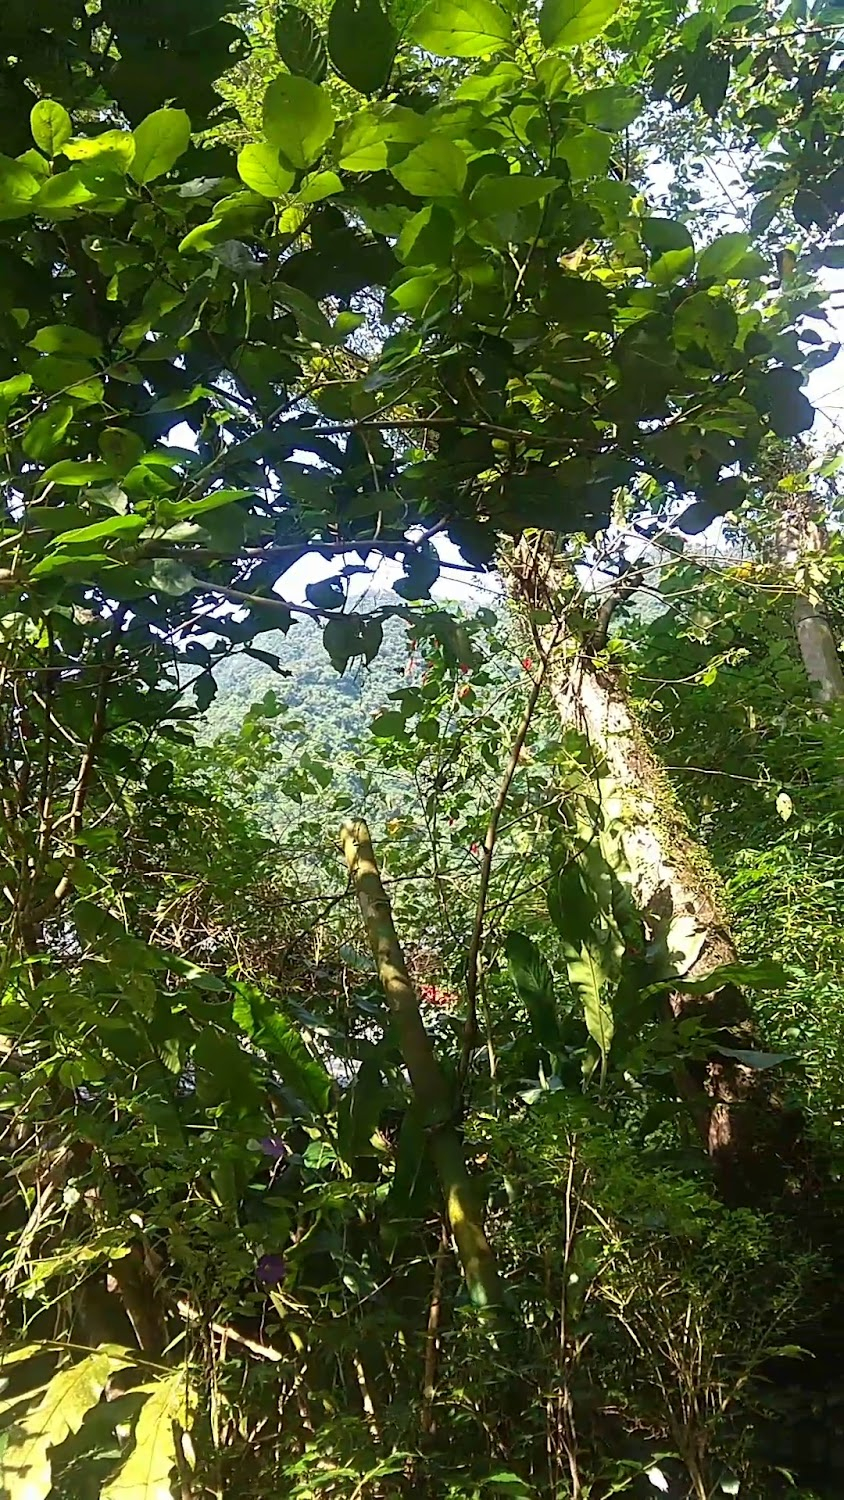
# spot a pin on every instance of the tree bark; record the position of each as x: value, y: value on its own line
x: 753, y: 1143
x: 818, y: 651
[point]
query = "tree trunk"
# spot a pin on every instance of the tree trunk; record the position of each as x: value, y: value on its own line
x: 753, y: 1143
x: 818, y: 650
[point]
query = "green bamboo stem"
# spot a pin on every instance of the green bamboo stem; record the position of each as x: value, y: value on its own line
x: 429, y: 1083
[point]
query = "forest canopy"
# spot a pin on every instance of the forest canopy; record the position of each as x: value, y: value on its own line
x: 421, y: 1026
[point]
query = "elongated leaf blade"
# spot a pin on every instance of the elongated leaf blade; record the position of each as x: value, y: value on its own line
x: 25, y: 1469
x: 146, y: 1472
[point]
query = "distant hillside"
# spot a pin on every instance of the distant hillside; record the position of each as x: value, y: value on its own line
x: 336, y: 709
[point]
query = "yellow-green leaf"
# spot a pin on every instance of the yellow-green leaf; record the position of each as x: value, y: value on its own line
x: 160, y: 140
x: 298, y: 118
x: 565, y: 23
x: 146, y: 1473
x: 25, y: 1470
x: 462, y: 28
x: 260, y: 168
x: 50, y: 126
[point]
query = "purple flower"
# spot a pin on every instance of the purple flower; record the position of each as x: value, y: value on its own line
x: 270, y: 1270
x: 273, y: 1145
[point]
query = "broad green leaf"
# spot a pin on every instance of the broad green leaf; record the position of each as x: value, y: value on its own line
x: 75, y: 472
x: 462, y: 28
x: 360, y: 1110
x: 566, y: 23
x: 494, y: 195
x: 612, y: 107
x: 50, y: 126
x: 125, y: 526
x: 759, y: 1061
x: 661, y: 235
x: 63, y: 338
x: 427, y: 238
x: 587, y: 153
x: 18, y: 187
x: 25, y: 1469
x: 298, y: 118
x: 145, y: 1475
x: 269, y: 1028
x: 160, y: 140
x: 706, y: 322
x: 367, y: 138
x: 260, y: 168
x: 299, y: 43
x: 172, y: 577
x: 730, y: 258
x: 361, y: 43
x: 535, y: 984
x: 46, y: 431
x: 11, y: 390
x: 760, y: 974
x: 113, y: 148
x: 318, y: 186
x: 435, y: 169
x: 121, y: 449
x: 64, y: 190
x: 791, y: 412
x: 580, y: 903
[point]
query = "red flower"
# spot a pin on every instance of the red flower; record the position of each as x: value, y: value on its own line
x: 474, y: 848
x: 527, y: 663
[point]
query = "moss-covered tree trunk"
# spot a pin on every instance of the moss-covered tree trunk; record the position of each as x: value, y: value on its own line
x: 752, y: 1141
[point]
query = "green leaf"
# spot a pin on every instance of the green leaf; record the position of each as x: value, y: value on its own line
x: 75, y: 472
x: 705, y: 322
x: 260, y: 168
x: 727, y: 258
x: 369, y: 136
x: 10, y: 392
x: 661, y: 235
x: 298, y: 118
x: 565, y: 23
x: 121, y: 449
x: 587, y: 153
x: 172, y: 577
x: 25, y: 1469
x: 63, y: 338
x: 18, y: 187
x: 493, y: 195
x: 145, y: 1475
x: 50, y: 126
x: 360, y: 1110
x: 535, y: 984
x: 125, y: 526
x: 791, y: 412
x: 273, y: 1031
x: 761, y: 974
x: 300, y: 44
x: 427, y: 238
x: 462, y: 28
x: 318, y: 186
x: 612, y: 107
x: 46, y: 431
x: 759, y: 1061
x: 160, y: 140
x: 112, y: 148
x: 328, y: 593
x: 435, y: 169
x: 580, y: 903
x: 362, y: 43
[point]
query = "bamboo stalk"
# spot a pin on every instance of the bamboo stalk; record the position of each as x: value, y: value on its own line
x: 427, y: 1078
